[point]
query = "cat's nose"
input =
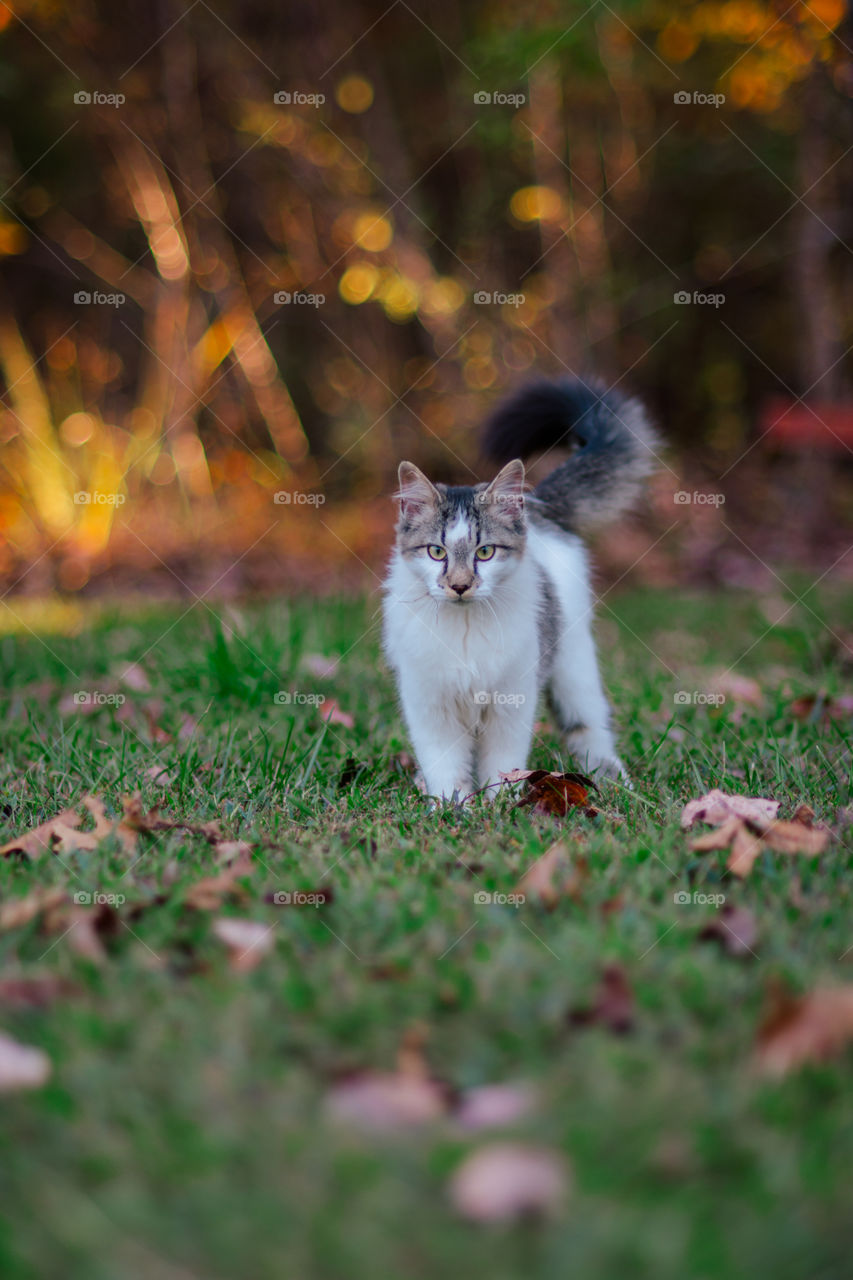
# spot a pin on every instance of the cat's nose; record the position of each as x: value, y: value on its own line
x: 460, y: 589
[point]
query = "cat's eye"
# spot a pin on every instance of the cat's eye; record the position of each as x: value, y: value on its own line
x: 436, y: 553
x: 484, y: 553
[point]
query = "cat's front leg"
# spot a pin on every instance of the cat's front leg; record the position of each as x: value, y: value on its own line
x: 506, y: 735
x: 444, y: 748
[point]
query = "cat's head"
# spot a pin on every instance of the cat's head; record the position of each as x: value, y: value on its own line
x: 462, y: 541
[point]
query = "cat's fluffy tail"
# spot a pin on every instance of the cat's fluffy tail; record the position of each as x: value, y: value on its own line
x: 615, y: 447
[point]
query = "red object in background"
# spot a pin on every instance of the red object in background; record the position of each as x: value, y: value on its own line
x: 820, y: 425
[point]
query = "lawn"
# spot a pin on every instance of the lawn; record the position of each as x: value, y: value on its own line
x: 186, y: 1128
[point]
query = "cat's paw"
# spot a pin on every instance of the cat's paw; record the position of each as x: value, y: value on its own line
x: 610, y: 769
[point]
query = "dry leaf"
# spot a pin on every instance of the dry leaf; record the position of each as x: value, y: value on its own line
x: 553, y: 876
x: 34, y: 991
x: 508, y: 1180
x: 716, y: 807
x: 734, y: 928
x: 822, y: 708
x: 159, y: 776
x: 553, y: 793
x: 385, y: 1101
x: 17, y: 912
x: 248, y: 941
x: 62, y: 834
x: 332, y: 714
x: 493, y: 1106
x: 21, y: 1067
x: 319, y: 666
x: 134, y: 676
x: 811, y: 1028
x: 613, y: 1006
x: 209, y: 893
x: 738, y: 689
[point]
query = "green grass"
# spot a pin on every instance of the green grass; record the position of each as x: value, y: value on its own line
x: 183, y: 1131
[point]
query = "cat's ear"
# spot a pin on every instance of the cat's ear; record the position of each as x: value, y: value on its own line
x: 507, y: 488
x: 415, y: 492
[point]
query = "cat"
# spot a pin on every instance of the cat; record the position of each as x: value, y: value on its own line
x: 487, y: 597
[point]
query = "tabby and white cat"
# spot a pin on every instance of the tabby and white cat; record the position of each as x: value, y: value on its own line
x: 487, y: 598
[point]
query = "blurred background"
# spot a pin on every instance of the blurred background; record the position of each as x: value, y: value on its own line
x: 252, y: 256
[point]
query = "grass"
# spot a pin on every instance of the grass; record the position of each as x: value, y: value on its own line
x: 183, y: 1131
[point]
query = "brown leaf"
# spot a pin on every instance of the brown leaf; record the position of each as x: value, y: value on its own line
x: 553, y: 876
x: 738, y: 689
x: 21, y: 1067
x: 553, y: 793
x: 62, y: 834
x: 385, y: 1101
x: 734, y: 928
x: 822, y: 708
x: 211, y: 892
x: 333, y: 714
x: 17, y: 912
x: 505, y: 1181
x: 135, y: 677
x: 613, y: 1006
x: 248, y: 941
x: 717, y: 807
x: 811, y: 1028
x: 319, y: 666
x: 35, y: 991
x: 493, y: 1106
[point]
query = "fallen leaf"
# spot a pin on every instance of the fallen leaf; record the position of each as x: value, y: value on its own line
x: 822, y: 708
x: 716, y: 807
x: 319, y: 666
x: 384, y: 1101
x: 734, y: 928
x: 613, y: 1006
x: 21, y: 1067
x: 160, y: 776
x: 493, y: 1106
x: 553, y: 876
x: 134, y: 676
x: 62, y: 834
x: 810, y: 1028
x: 504, y: 1181
x: 738, y: 689
x: 17, y: 912
x: 34, y: 991
x: 248, y: 941
x: 84, y: 928
x: 211, y: 892
x: 553, y: 793
x: 332, y: 714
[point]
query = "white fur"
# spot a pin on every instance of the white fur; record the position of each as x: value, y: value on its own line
x: 470, y: 672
